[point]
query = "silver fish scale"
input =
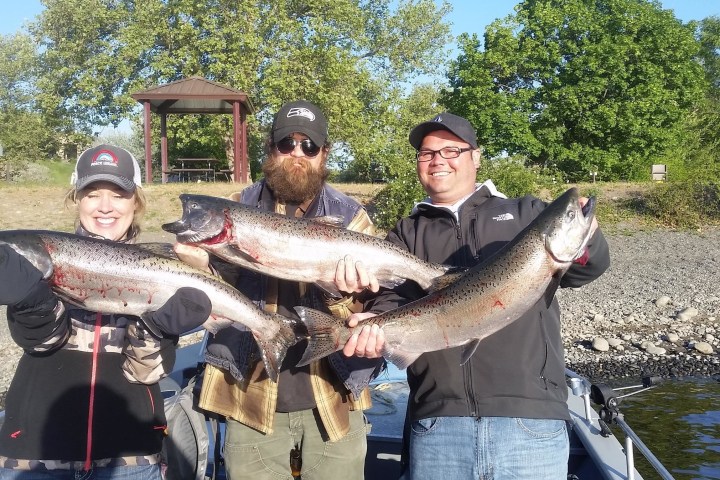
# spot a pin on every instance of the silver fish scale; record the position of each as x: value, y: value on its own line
x: 119, y: 278
x: 311, y: 250
x: 296, y: 249
x: 490, y: 295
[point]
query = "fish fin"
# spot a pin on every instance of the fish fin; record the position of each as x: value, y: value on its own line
x: 467, y: 351
x: 447, y: 279
x: 160, y: 249
x: 401, y: 360
x: 332, y: 220
x: 238, y: 252
x: 329, y: 288
x: 392, y: 282
x: 273, y: 350
x: 324, y: 333
x: 214, y: 324
x: 552, y: 289
x: 68, y: 299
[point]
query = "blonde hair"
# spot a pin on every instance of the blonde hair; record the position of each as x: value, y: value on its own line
x: 72, y: 197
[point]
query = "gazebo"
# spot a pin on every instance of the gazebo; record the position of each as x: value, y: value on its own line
x: 196, y: 95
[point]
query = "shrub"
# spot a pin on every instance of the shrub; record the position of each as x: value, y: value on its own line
x: 684, y: 204
x: 511, y: 176
x: 395, y: 201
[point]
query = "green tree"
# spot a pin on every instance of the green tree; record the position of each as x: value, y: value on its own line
x: 703, y: 160
x: 581, y: 84
x: 348, y: 56
x: 24, y: 134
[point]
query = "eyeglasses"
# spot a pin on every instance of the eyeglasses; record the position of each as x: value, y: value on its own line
x: 425, y: 155
x: 288, y: 144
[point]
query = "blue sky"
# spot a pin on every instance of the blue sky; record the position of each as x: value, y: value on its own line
x: 467, y: 15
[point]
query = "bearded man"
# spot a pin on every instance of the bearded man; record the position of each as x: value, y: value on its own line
x: 313, y: 415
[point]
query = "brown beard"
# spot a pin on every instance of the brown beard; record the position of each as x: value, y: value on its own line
x: 291, y: 183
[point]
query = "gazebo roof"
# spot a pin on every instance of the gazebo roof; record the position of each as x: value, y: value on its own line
x: 193, y: 95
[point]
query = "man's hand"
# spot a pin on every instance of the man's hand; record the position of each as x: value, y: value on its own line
x: 193, y: 256
x: 369, y: 342
x: 351, y: 277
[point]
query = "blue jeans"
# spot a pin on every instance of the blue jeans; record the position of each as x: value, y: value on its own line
x: 491, y: 448
x: 139, y: 472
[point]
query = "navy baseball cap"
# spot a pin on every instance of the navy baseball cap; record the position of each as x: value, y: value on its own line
x: 302, y: 117
x: 454, y: 124
x: 106, y: 163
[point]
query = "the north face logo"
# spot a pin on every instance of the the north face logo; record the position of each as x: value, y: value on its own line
x: 301, y: 112
x: 504, y: 217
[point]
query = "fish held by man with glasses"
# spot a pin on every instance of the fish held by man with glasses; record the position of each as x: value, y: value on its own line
x: 483, y: 300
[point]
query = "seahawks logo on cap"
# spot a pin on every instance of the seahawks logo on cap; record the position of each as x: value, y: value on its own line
x: 104, y: 157
x: 301, y: 112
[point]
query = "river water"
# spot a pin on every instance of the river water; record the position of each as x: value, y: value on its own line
x: 679, y: 421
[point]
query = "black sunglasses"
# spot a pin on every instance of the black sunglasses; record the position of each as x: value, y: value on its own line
x: 288, y: 144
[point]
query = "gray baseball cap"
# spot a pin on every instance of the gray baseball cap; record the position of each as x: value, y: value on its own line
x: 107, y: 163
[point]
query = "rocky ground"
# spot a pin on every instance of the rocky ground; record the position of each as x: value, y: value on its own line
x: 655, y: 311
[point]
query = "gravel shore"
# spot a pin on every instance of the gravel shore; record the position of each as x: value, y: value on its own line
x: 655, y: 311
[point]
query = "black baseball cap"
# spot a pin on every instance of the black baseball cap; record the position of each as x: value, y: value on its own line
x: 454, y: 124
x: 106, y: 163
x: 302, y: 117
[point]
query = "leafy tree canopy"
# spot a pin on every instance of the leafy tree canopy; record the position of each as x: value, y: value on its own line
x: 580, y: 85
x: 351, y: 57
x: 24, y: 134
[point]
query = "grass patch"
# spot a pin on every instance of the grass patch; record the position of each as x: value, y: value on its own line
x: 622, y: 208
x: 59, y: 172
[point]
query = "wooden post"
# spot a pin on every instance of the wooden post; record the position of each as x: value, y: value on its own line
x: 148, y: 142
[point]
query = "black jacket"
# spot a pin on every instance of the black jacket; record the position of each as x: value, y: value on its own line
x: 516, y: 372
x: 48, y: 402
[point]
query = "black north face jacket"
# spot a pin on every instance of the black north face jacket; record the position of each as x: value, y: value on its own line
x: 518, y: 371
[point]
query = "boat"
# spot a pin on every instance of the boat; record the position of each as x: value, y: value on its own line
x: 596, y: 452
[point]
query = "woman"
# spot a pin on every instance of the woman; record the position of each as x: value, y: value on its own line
x: 84, y: 402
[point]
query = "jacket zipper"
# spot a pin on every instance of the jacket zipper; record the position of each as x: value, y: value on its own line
x: 545, y: 360
x: 91, y: 408
x: 467, y: 368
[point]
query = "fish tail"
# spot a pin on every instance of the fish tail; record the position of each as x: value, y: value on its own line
x: 273, y: 350
x: 324, y: 332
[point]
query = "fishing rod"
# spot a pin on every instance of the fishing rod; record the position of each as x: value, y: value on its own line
x: 609, y: 400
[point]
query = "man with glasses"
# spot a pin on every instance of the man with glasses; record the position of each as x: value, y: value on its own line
x: 503, y: 413
x: 313, y: 414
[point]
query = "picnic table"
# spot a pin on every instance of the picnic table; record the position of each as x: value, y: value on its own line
x: 191, y: 169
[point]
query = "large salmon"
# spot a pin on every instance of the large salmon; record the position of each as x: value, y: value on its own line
x: 112, y: 277
x: 297, y: 249
x: 483, y: 300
